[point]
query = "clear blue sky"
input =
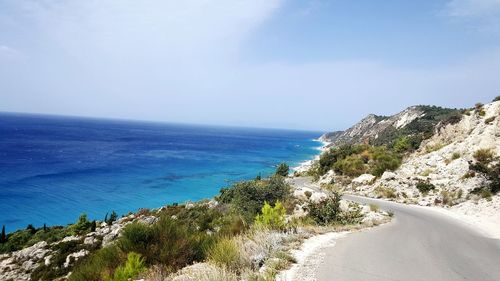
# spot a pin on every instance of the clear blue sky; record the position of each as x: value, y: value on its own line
x: 318, y: 65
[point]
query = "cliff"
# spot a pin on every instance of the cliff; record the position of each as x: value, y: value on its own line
x: 416, y: 121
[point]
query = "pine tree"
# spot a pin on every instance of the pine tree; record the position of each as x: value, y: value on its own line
x: 3, y: 237
x: 112, y: 217
x: 106, y: 218
x: 31, y: 228
x: 44, y: 227
x: 93, y: 226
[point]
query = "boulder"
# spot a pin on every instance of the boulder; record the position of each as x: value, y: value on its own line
x: 71, y: 258
x: 387, y: 176
x: 364, y: 179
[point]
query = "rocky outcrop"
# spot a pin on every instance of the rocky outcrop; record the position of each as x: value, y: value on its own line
x: 384, y: 129
x: 19, y: 265
x: 442, y: 163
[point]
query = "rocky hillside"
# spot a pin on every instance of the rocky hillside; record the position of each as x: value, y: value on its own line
x: 456, y: 168
x: 418, y: 122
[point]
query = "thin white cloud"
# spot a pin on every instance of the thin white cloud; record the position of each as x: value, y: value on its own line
x: 8, y: 53
x: 473, y: 8
x: 481, y: 15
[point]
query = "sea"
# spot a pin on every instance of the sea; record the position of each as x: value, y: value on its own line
x: 52, y: 168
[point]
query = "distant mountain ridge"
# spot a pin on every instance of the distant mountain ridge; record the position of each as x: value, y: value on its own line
x: 416, y: 122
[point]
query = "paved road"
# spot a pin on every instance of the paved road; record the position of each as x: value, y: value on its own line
x: 418, y: 244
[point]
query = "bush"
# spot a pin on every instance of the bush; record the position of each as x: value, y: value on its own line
x: 478, y: 106
x: 327, y: 211
x: 282, y: 170
x: 402, y: 144
x: 171, y: 242
x: 248, y: 197
x: 484, y: 156
x: 384, y: 160
x: 425, y: 187
x: 489, y: 120
x: 225, y: 253
x: 352, y: 166
x: 455, y: 156
x: 272, y: 218
x: 497, y: 98
x: 133, y: 267
x: 99, y: 265
x: 82, y: 226
x: 385, y: 192
x: 24, y: 238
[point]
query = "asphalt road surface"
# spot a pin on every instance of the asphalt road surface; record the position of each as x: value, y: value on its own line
x: 419, y: 244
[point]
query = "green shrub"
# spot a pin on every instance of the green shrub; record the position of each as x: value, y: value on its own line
x: 248, y: 197
x: 425, y: 187
x: 384, y: 160
x: 450, y: 198
x: 489, y: 120
x: 352, y: 166
x: 478, y: 106
x: 455, y: 156
x: 486, y: 193
x: 99, y: 265
x: 497, y: 98
x: 170, y: 242
x: 402, y: 144
x: 484, y: 156
x: 308, y: 194
x: 469, y: 174
x: 327, y: 211
x: 225, y: 253
x: 435, y: 147
x: 82, y: 226
x: 273, y: 218
x: 133, y: 267
x: 282, y: 170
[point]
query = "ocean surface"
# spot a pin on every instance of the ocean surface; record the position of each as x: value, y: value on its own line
x: 52, y: 169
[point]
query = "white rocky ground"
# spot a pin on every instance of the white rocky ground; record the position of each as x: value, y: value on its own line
x: 443, y: 161
x: 20, y: 264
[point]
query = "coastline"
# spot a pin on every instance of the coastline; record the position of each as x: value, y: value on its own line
x: 306, y: 165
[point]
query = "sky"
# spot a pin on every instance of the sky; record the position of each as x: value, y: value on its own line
x: 309, y: 64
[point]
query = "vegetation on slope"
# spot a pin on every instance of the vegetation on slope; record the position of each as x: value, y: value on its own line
x: 224, y: 234
x: 354, y: 160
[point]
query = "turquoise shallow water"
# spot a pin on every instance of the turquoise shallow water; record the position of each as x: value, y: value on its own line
x: 52, y: 169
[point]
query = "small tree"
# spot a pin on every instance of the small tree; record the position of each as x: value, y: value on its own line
x: 273, y: 218
x: 81, y: 226
x: 93, y: 226
x: 112, y: 218
x: 258, y: 177
x: 31, y: 229
x: 3, y: 237
x: 282, y: 170
x: 133, y: 266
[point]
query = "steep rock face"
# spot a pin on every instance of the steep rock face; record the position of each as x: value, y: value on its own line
x: 383, y: 130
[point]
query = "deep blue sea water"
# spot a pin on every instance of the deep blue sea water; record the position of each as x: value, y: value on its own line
x: 52, y: 168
